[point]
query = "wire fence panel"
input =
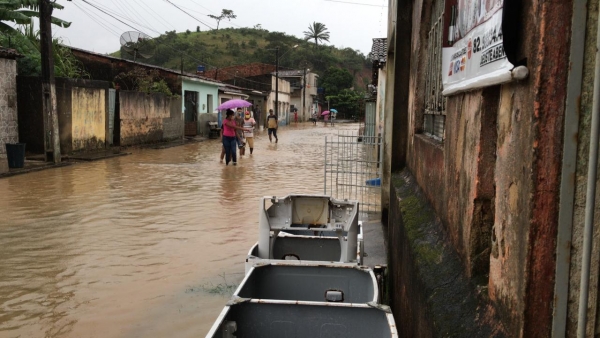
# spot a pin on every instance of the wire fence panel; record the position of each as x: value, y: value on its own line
x: 353, y: 169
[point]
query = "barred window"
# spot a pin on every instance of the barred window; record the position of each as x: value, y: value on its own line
x: 434, y: 117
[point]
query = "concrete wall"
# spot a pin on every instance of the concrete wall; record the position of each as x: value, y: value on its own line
x: 580, y: 186
x: 203, y: 88
x: 149, y: 118
x: 82, y: 110
x: 494, y: 180
x: 89, y: 112
x: 9, y: 132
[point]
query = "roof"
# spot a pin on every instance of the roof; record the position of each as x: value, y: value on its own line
x: 146, y: 65
x: 379, y: 50
x: 292, y: 73
x: 9, y: 53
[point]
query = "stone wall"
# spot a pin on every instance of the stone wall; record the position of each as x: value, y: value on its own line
x: 9, y: 131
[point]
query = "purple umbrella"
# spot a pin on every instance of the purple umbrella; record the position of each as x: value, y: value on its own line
x: 325, y: 112
x: 236, y: 103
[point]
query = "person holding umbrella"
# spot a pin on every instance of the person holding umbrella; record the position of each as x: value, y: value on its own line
x: 333, y: 115
x: 229, y: 137
x: 325, y: 117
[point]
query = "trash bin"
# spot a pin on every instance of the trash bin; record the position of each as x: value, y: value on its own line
x: 15, y: 152
x: 374, y: 182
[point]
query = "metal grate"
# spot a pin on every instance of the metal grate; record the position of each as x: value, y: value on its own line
x: 435, y: 103
x: 353, y: 169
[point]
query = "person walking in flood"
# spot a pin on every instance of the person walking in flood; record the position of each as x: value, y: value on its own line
x: 272, y: 123
x: 249, y: 124
x: 229, y: 137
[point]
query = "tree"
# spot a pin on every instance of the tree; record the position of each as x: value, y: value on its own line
x: 347, y: 102
x: 335, y: 80
x: 225, y: 14
x: 318, y: 32
x: 21, y: 12
x: 26, y: 41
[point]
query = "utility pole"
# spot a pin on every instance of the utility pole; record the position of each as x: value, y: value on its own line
x: 51, y: 135
x: 277, y: 82
x: 304, y: 95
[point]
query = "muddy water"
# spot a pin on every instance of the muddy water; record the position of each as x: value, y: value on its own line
x: 146, y: 245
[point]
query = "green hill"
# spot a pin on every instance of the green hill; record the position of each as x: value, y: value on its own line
x: 230, y: 46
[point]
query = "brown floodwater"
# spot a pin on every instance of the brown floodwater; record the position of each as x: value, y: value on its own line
x: 146, y: 245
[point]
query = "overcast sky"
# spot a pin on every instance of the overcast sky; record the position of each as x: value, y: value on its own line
x: 349, y: 25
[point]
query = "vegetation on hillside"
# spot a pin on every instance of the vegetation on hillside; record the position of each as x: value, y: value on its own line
x: 318, y: 32
x: 229, y: 46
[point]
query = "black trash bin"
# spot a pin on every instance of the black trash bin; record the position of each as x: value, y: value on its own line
x: 15, y: 152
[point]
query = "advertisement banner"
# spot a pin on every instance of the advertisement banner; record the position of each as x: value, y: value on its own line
x: 473, y: 56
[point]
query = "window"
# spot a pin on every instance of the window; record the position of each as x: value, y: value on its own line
x: 434, y: 117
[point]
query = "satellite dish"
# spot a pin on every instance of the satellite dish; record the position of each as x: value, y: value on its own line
x: 137, y: 44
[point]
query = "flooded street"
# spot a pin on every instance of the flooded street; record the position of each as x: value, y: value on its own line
x: 146, y: 245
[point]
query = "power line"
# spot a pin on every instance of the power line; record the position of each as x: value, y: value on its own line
x: 188, y: 14
x: 157, y: 17
x: 110, y: 30
x: 173, y: 48
x: 128, y: 19
x: 126, y: 24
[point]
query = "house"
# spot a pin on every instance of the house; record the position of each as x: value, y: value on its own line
x: 259, y: 78
x: 9, y: 132
x: 200, y: 101
x: 199, y: 94
x: 488, y: 157
x: 303, y: 95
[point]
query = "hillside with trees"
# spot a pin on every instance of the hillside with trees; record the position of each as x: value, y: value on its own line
x: 230, y: 46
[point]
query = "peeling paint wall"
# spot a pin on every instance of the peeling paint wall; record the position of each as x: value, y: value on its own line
x: 149, y: 118
x: 9, y: 132
x: 88, y: 118
x: 494, y: 180
x: 580, y: 182
x: 81, y: 108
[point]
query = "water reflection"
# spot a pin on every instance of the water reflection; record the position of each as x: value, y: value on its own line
x: 113, y: 248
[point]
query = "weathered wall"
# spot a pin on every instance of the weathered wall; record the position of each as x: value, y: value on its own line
x: 88, y: 118
x: 580, y: 184
x: 203, y: 120
x: 81, y: 107
x: 494, y: 179
x: 432, y: 296
x: 9, y: 131
x: 149, y: 118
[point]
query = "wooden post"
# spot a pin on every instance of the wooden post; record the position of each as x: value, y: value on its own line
x: 51, y: 135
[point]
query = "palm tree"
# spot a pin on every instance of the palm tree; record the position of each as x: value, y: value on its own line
x: 317, y: 31
x: 21, y: 12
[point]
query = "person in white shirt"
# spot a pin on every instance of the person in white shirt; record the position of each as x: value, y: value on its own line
x: 249, y: 124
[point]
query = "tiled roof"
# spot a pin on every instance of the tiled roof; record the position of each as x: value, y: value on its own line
x: 142, y: 64
x: 8, y: 53
x: 379, y: 50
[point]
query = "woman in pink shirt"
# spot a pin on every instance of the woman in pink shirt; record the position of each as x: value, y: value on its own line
x: 229, y: 135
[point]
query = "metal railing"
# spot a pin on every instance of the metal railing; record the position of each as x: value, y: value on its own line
x: 352, y: 169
